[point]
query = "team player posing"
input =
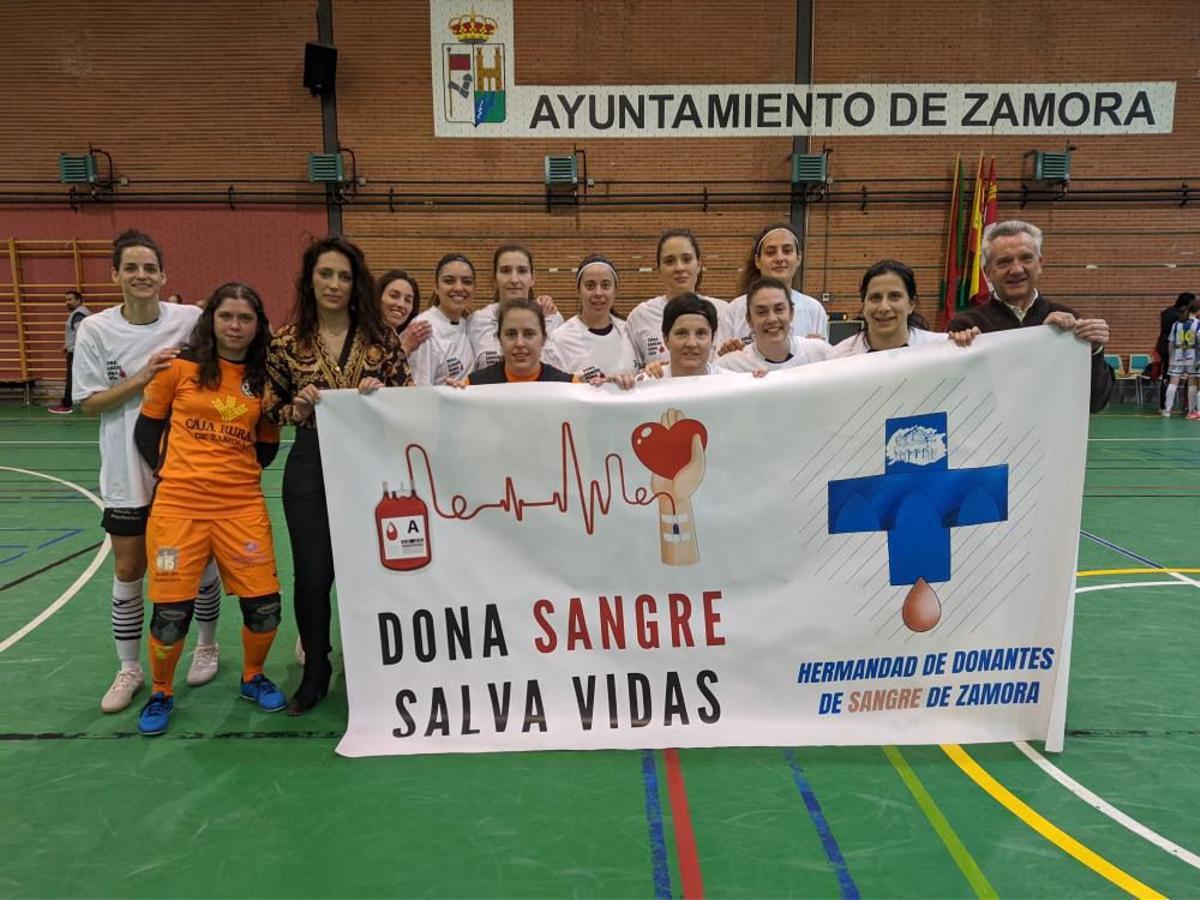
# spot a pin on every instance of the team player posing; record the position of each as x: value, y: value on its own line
x: 190, y: 404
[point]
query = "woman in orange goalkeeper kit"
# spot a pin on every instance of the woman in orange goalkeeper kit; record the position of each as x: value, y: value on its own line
x: 201, y: 429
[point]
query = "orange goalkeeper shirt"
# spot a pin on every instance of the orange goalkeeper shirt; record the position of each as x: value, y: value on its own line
x: 208, y: 468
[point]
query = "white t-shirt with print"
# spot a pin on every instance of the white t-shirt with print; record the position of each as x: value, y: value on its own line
x: 446, y: 355
x: 857, y: 345
x: 749, y: 359
x: 577, y: 349
x: 809, y: 318
x: 645, y: 328
x: 108, y: 349
x: 481, y: 326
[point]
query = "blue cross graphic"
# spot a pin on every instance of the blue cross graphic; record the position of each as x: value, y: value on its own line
x: 918, y: 499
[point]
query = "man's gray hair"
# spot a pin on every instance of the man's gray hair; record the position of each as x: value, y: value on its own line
x: 1010, y: 228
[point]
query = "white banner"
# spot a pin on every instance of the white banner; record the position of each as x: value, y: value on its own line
x: 877, y: 549
x: 475, y: 95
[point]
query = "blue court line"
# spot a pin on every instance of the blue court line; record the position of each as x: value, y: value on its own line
x: 67, y: 533
x: 833, y: 852
x: 654, y: 819
x: 1129, y: 553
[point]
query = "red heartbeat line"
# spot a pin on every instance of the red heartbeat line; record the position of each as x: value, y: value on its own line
x: 593, y: 497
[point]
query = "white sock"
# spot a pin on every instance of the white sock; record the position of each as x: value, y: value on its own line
x: 1192, y: 398
x: 1169, y: 406
x: 208, y: 605
x: 128, y: 613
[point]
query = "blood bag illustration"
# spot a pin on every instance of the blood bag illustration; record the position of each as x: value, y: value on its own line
x: 402, y: 521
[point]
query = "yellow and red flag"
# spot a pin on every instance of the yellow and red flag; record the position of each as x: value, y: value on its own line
x: 951, y: 273
x: 982, y: 290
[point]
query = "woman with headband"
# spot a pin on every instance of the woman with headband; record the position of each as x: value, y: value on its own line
x: 775, y: 254
x: 448, y: 354
x: 595, y: 342
x: 679, y: 267
x: 512, y: 273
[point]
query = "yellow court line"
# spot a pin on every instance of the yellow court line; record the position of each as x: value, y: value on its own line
x: 1045, y: 827
x: 1142, y: 571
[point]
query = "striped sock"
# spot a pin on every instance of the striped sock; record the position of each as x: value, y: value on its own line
x: 208, y: 604
x: 128, y: 613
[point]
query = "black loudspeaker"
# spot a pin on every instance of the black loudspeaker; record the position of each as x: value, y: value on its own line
x: 320, y: 68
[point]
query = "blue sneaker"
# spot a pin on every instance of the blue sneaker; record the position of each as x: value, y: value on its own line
x: 262, y: 690
x: 156, y: 714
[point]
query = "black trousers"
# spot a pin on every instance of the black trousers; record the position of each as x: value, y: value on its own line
x: 312, y: 552
x: 66, y: 398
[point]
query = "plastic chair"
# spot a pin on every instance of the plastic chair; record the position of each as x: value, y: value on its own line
x: 1138, y: 363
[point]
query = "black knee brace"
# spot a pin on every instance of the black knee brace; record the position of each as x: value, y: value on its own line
x: 261, y: 614
x: 170, y: 621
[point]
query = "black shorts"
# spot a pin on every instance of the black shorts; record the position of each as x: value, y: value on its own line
x: 125, y: 521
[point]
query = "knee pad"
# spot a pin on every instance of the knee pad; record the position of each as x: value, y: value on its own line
x: 171, y: 620
x: 261, y: 614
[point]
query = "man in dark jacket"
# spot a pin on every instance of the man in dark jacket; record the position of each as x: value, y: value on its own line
x: 1012, y: 262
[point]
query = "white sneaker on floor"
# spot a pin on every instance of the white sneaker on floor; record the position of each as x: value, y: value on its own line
x: 1165, y: 413
x: 120, y: 693
x: 205, y: 660
x: 299, y: 651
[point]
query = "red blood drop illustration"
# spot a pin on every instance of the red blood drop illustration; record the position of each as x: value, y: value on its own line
x: 392, y: 533
x: 922, y: 609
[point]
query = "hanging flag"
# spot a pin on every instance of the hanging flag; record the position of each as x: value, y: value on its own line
x: 950, y: 270
x: 972, y: 273
x: 990, y: 215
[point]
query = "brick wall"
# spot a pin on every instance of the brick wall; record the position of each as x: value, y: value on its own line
x: 212, y: 92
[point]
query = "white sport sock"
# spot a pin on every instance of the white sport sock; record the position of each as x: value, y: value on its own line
x: 208, y: 604
x: 128, y: 614
x: 1169, y: 406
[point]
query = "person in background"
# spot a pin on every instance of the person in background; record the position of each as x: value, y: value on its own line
x: 1181, y: 354
x: 775, y: 254
x: 513, y: 277
x: 176, y: 298
x: 400, y: 301
x: 681, y: 270
x: 1166, y: 321
x: 595, y: 342
x: 76, y: 313
x: 448, y: 354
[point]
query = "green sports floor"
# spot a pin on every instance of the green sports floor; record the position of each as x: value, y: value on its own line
x: 236, y: 802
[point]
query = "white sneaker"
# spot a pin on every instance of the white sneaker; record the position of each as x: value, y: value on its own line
x: 299, y: 651
x: 205, y: 660
x: 1166, y: 413
x: 120, y: 694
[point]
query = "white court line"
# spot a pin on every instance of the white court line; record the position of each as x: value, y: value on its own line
x: 1094, y: 800
x: 79, y: 582
x: 1139, y: 440
x: 1128, y: 584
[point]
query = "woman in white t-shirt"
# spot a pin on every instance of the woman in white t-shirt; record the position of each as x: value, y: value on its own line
x: 447, y: 354
x: 680, y: 268
x: 594, y: 343
x: 775, y: 254
x: 770, y: 316
x: 889, y: 301
x: 512, y: 274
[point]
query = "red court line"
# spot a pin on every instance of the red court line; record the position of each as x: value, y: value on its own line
x: 685, y: 837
